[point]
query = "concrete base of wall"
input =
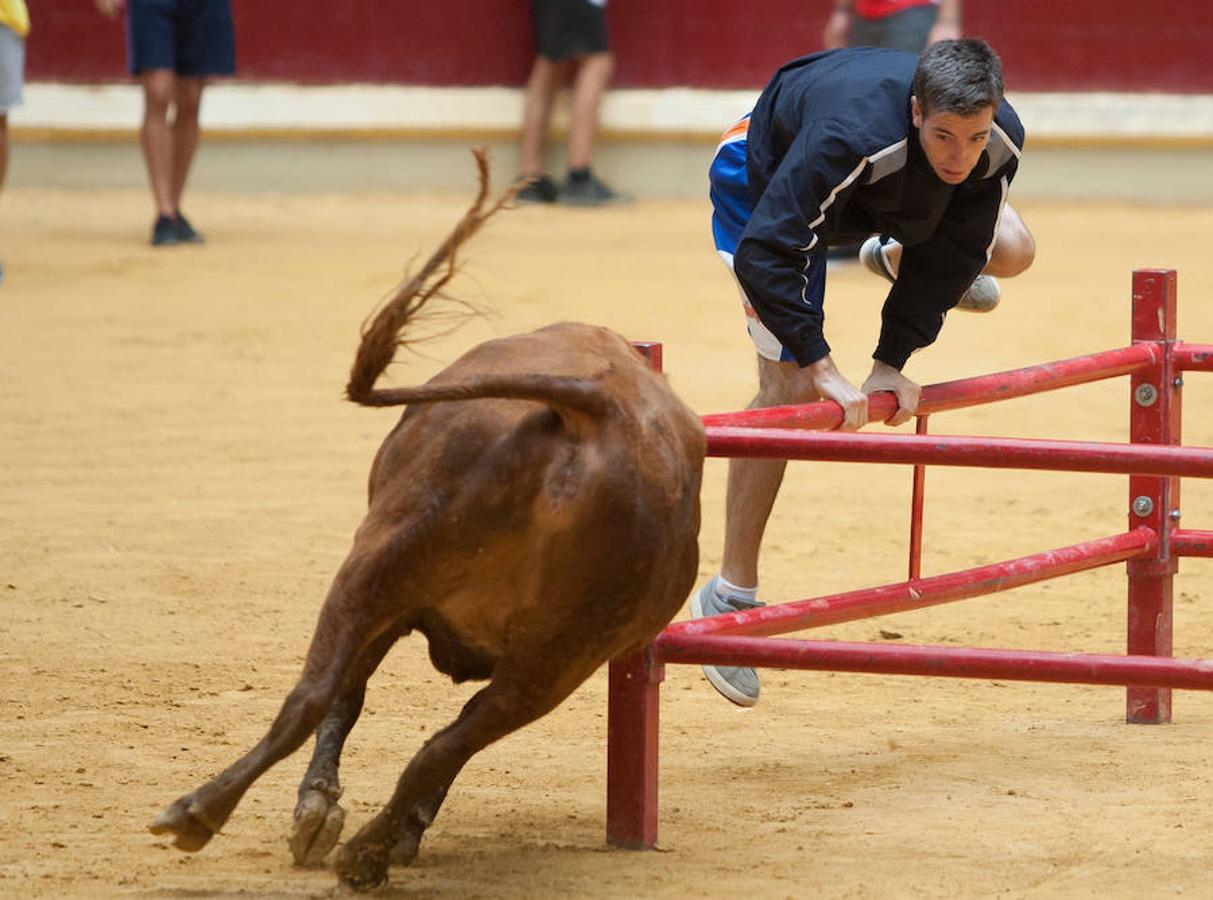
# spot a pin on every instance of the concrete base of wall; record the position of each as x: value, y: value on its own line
x: 663, y: 168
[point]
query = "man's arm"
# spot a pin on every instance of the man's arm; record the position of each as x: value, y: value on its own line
x: 781, y: 258
x: 885, y: 378
x: 933, y: 275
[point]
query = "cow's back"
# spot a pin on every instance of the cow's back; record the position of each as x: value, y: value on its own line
x: 508, y: 499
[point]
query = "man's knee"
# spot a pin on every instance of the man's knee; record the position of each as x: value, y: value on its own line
x: 188, y: 98
x: 1014, y: 249
x: 159, y: 91
x: 782, y: 384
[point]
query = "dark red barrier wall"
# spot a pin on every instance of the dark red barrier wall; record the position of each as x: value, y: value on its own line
x: 1116, y: 45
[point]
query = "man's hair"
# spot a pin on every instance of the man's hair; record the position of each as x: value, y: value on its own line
x: 961, y: 77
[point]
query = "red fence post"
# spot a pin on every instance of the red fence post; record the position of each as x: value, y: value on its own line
x: 633, y: 708
x: 633, y: 720
x: 1154, y: 418
x: 917, y: 497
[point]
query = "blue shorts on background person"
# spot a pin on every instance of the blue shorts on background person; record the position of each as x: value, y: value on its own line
x: 194, y: 38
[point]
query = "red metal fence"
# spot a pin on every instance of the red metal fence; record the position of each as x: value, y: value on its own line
x: 1151, y: 546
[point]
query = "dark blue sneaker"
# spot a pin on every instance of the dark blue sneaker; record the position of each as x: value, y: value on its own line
x: 186, y: 233
x: 540, y: 189
x: 588, y: 190
x: 164, y: 232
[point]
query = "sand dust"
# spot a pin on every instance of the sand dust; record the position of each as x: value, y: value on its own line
x: 180, y: 478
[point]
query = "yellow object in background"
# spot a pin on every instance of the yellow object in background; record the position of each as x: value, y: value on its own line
x: 14, y: 14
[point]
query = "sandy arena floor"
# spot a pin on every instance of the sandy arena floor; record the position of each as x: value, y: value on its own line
x: 179, y: 479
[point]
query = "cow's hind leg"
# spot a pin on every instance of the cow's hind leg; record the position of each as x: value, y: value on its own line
x: 510, y: 701
x: 319, y: 817
x: 339, y: 639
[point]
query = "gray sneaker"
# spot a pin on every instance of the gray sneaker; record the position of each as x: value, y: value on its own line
x: 872, y: 255
x: 738, y: 683
x: 982, y: 296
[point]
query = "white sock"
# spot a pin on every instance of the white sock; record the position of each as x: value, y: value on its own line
x: 726, y: 590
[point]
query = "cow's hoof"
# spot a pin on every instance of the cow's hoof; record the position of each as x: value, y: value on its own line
x: 192, y: 834
x: 318, y: 823
x: 361, y: 867
x: 404, y: 851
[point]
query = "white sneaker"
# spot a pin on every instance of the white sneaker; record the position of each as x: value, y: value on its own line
x: 872, y: 255
x: 982, y: 296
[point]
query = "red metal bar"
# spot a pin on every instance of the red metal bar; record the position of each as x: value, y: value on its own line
x: 1186, y: 542
x: 952, y: 662
x: 651, y: 351
x: 917, y: 494
x: 1154, y: 419
x: 980, y: 452
x: 906, y: 596
x: 827, y: 415
x: 633, y: 727
x: 1187, y: 357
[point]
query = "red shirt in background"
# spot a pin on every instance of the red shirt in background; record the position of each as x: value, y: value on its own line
x: 879, y: 9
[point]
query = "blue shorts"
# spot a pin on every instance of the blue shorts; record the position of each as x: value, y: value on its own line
x: 193, y: 38
x: 731, y: 211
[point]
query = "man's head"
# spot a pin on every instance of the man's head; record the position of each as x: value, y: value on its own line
x: 957, y: 89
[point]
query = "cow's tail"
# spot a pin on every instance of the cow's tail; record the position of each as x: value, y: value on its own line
x: 385, y: 331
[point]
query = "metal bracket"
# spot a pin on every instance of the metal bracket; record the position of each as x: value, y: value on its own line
x: 1145, y: 395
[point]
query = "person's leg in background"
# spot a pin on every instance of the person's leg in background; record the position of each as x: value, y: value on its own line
x: 12, y: 79
x: 156, y: 139
x: 593, y: 75
x: 186, y: 105
x: 585, y: 37
x: 3, y: 162
x: 541, y: 87
x: 206, y: 45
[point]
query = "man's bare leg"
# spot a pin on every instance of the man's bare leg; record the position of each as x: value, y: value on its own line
x: 156, y: 137
x: 754, y: 483
x: 752, y: 488
x: 593, y: 75
x: 187, y: 101
x: 537, y: 112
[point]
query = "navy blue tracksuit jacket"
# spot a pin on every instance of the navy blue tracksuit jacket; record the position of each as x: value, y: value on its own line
x: 832, y: 156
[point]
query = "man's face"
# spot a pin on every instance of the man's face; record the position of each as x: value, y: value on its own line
x: 952, y: 143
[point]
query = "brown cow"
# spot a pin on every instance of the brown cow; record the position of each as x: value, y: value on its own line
x: 535, y: 529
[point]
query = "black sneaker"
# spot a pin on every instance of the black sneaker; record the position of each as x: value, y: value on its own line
x: 164, y: 232
x: 185, y: 231
x: 540, y: 189
x: 589, y: 191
